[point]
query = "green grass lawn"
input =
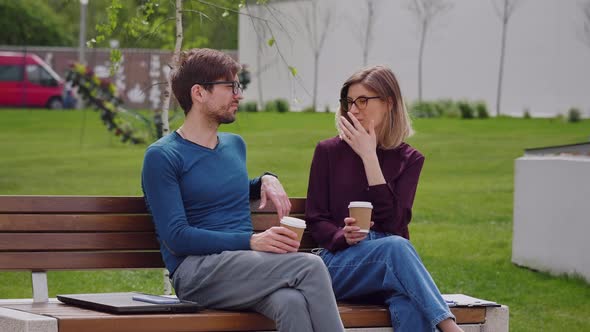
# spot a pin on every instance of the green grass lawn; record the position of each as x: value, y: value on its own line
x: 462, y: 225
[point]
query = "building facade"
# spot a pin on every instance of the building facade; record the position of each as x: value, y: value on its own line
x: 547, y: 58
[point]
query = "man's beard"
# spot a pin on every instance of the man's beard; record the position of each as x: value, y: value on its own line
x: 222, y: 115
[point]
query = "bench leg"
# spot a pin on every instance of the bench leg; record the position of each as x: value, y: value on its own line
x: 40, y: 293
x: 167, y: 284
x: 496, y: 319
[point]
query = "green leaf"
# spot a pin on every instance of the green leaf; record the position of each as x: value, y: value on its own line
x: 293, y: 70
x: 91, y: 43
x: 271, y: 42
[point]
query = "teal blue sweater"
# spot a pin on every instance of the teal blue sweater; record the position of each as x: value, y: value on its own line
x: 198, y: 197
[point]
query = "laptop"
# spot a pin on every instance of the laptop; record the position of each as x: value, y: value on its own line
x: 123, y: 303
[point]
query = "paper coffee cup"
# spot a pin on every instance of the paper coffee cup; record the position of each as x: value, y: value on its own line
x: 361, y: 212
x: 294, y: 224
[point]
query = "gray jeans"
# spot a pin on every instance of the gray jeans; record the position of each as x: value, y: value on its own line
x: 293, y: 289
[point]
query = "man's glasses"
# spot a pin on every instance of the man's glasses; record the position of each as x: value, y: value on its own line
x: 237, y: 87
x: 360, y: 102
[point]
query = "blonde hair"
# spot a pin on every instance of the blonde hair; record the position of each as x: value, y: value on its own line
x: 396, y: 125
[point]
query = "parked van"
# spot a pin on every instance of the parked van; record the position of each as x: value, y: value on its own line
x: 27, y: 81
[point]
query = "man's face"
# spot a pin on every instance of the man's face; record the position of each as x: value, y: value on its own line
x: 222, y: 104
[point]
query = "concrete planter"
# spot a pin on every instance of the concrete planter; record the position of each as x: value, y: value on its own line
x: 552, y: 214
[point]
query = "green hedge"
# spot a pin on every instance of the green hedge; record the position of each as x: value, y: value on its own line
x: 449, y: 108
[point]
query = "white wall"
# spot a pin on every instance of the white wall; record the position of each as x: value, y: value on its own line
x: 552, y: 214
x: 547, y: 67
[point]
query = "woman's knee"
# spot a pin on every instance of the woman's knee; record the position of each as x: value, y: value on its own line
x: 397, y: 245
x: 395, y: 241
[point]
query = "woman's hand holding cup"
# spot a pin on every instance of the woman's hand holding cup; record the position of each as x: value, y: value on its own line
x: 352, y: 233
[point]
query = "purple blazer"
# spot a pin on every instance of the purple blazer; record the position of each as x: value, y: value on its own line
x: 337, y: 177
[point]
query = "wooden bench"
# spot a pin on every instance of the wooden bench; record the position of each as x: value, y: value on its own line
x: 45, y: 233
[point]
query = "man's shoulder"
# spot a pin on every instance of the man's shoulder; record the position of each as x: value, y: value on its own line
x: 164, y: 144
x: 229, y: 136
x: 231, y: 139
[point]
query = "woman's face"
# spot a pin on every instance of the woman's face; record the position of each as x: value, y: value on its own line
x: 366, y: 108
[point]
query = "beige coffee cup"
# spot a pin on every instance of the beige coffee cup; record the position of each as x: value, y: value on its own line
x: 294, y: 224
x: 361, y: 212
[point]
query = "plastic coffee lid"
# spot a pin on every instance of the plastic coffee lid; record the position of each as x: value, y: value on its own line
x: 360, y: 205
x: 293, y: 222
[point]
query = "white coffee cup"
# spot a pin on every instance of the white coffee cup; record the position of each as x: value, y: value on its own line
x: 361, y: 212
x: 294, y: 224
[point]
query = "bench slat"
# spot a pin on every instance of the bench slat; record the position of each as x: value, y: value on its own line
x: 77, y: 241
x: 297, y: 206
x: 103, y: 204
x: 263, y: 221
x: 42, y: 261
x: 78, y: 319
x: 75, y: 222
x: 102, y: 222
x: 72, y: 204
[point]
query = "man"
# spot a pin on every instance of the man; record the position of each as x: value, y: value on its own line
x: 196, y: 186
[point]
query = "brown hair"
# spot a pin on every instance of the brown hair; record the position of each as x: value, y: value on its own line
x: 396, y: 125
x: 196, y: 66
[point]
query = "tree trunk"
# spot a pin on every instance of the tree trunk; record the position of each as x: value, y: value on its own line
x: 502, y: 52
x: 168, y: 91
x: 316, y: 58
x: 368, y: 32
x: 259, y: 78
x: 260, y: 41
x: 420, y: 56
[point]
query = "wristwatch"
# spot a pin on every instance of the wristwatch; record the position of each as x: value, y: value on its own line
x: 269, y: 173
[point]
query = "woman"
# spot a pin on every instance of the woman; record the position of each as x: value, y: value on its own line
x: 368, y: 161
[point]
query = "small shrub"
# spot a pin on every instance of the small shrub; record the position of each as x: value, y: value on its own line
x: 558, y: 117
x: 574, y: 115
x: 249, y: 106
x: 453, y: 113
x: 327, y: 109
x: 422, y: 109
x: 465, y: 110
x: 278, y: 105
x: 482, y: 110
x: 271, y: 106
x: 527, y: 114
x: 451, y: 110
x: 282, y: 105
x: 439, y: 109
x: 309, y: 109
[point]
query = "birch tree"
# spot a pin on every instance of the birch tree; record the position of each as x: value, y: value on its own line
x: 168, y: 92
x: 504, y: 11
x: 365, y: 35
x: 262, y: 36
x: 585, y: 27
x: 425, y: 11
x: 140, y: 27
x: 316, y: 32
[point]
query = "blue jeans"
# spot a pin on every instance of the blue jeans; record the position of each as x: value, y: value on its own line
x: 385, y: 268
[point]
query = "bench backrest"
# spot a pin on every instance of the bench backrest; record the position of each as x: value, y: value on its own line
x: 40, y: 233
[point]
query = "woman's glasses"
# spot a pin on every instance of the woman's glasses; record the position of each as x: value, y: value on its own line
x: 360, y: 102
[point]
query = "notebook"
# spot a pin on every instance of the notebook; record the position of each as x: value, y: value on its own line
x: 460, y: 300
x: 123, y: 303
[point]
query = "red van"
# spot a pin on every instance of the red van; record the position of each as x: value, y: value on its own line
x: 27, y: 81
